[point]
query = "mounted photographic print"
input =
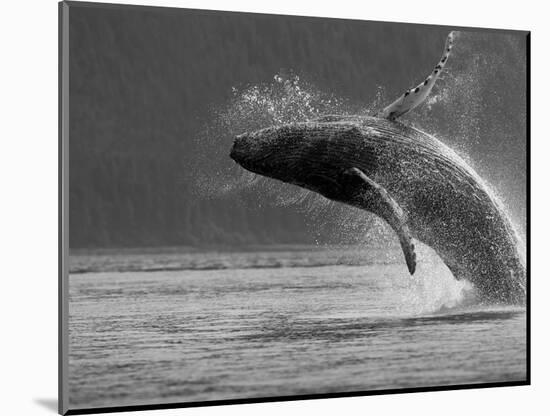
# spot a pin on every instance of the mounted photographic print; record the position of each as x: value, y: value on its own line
x: 263, y: 208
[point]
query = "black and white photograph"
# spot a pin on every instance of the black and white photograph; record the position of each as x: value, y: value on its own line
x: 261, y: 207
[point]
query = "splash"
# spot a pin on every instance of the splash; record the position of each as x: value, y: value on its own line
x: 433, y: 288
x: 286, y: 99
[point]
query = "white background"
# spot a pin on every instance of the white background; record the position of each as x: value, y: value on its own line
x: 28, y: 229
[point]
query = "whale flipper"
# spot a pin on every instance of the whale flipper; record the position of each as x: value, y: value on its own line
x: 415, y: 96
x: 374, y: 198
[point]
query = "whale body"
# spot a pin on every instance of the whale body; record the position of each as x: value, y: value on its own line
x: 417, y: 184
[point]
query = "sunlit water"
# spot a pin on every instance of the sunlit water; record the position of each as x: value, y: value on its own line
x: 239, y: 325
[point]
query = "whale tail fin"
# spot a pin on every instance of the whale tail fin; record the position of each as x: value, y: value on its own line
x: 415, y: 96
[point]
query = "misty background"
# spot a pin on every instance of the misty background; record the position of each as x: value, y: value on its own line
x: 149, y: 86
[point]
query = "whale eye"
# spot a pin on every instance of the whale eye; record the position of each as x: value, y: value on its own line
x: 417, y: 89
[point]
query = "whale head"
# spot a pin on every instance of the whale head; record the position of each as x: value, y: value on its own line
x: 263, y: 152
x: 311, y: 155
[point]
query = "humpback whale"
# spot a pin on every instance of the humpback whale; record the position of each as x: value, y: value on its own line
x: 414, y: 182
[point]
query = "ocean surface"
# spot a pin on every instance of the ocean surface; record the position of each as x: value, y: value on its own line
x: 181, y: 325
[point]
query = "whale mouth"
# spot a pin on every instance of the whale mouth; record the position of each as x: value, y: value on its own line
x: 248, y: 153
x: 234, y: 153
x: 240, y: 149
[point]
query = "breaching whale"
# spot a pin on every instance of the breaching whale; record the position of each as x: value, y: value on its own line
x: 415, y: 183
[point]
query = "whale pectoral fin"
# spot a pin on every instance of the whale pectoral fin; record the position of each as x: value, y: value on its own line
x: 364, y: 192
x: 415, y: 96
